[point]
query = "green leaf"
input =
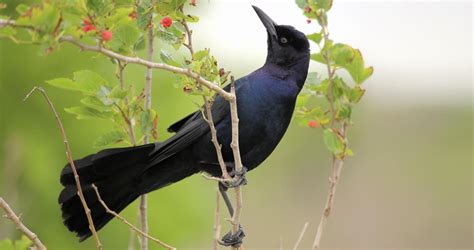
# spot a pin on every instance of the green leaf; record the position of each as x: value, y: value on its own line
x: 103, y: 94
x: 146, y: 123
x: 324, y: 4
x: 350, y: 59
x: 6, y: 244
x: 168, y: 59
x: 22, y: 244
x: 333, y: 142
x: 88, y: 113
x: 301, y: 3
x: 198, y: 56
x: 356, y: 94
x: 318, y: 57
x: 89, y: 82
x: 94, y: 103
x: 118, y: 93
x: 109, y: 138
x: 144, y: 14
x: 315, y: 37
x: 22, y: 8
x: 341, y: 54
x: 127, y: 34
x: 302, y: 100
x: 65, y: 83
x: 313, y: 78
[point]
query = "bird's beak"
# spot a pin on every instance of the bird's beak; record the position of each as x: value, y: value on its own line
x: 267, y: 21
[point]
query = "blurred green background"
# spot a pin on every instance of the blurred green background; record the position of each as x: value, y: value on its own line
x: 409, y: 184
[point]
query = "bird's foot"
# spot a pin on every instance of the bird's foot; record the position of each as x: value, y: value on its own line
x: 238, y: 178
x: 234, y: 240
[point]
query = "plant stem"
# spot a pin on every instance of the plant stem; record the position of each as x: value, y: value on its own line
x: 71, y: 163
x: 20, y: 226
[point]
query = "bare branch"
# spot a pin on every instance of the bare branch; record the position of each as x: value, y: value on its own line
x: 125, y: 115
x: 214, y: 140
x: 333, y: 180
x: 20, y: 226
x: 146, y: 139
x: 303, y: 231
x: 116, y: 215
x: 237, y: 160
x: 71, y: 163
x: 217, y: 222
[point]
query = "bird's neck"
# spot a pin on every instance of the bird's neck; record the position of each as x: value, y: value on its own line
x: 296, y: 71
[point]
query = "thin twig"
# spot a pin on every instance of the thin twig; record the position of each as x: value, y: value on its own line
x: 125, y: 115
x: 189, y: 34
x: 71, y: 163
x: 116, y: 215
x: 337, y: 164
x: 237, y: 160
x: 20, y: 226
x: 300, y: 238
x: 217, y: 222
x: 214, y: 140
x: 146, y: 139
x: 330, y: 71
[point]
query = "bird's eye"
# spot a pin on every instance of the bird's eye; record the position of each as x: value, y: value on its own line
x: 283, y: 40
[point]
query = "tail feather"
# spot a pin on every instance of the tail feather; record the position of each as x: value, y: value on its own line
x: 114, y: 172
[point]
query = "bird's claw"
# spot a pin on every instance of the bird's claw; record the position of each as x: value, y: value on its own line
x: 234, y: 240
x: 237, y: 180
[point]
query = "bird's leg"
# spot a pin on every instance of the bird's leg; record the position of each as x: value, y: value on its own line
x: 229, y: 239
x: 223, y: 190
x: 238, y: 178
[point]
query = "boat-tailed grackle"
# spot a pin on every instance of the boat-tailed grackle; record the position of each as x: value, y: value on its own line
x: 265, y: 101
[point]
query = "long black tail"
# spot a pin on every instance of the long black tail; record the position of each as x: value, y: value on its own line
x: 116, y: 174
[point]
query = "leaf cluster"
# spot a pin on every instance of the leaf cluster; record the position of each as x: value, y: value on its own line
x: 106, y: 101
x: 330, y: 100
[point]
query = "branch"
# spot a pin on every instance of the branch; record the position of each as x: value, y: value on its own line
x: 303, y: 231
x: 330, y: 71
x: 107, y: 209
x: 337, y: 164
x: 150, y: 64
x: 148, y: 83
x: 130, y: 130
x: 237, y: 160
x: 217, y: 222
x: 20, y: 226
x: 214, y: 140
x: 71, y: 163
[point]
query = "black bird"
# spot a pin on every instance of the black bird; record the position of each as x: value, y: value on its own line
x: 265, y: 100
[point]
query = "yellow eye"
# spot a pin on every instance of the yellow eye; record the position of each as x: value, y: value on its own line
x: 283, y: 40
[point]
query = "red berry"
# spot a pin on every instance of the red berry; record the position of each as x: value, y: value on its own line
x: 166, y: 22
x: 106, y: 35
x: 313, y: 124
x: 193, y: 3
x: 88, y: 27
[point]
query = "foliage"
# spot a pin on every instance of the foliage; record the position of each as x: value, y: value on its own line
x: 22, y: 244
x: 120, y: 26
x: 329, y: 101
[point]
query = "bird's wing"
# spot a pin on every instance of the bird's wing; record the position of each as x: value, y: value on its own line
x: 175, y: 127
x: 189, y: 129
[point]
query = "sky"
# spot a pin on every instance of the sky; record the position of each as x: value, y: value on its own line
x: 421, y: 50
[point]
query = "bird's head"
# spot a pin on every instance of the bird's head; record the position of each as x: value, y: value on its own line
x: 286, y: 45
